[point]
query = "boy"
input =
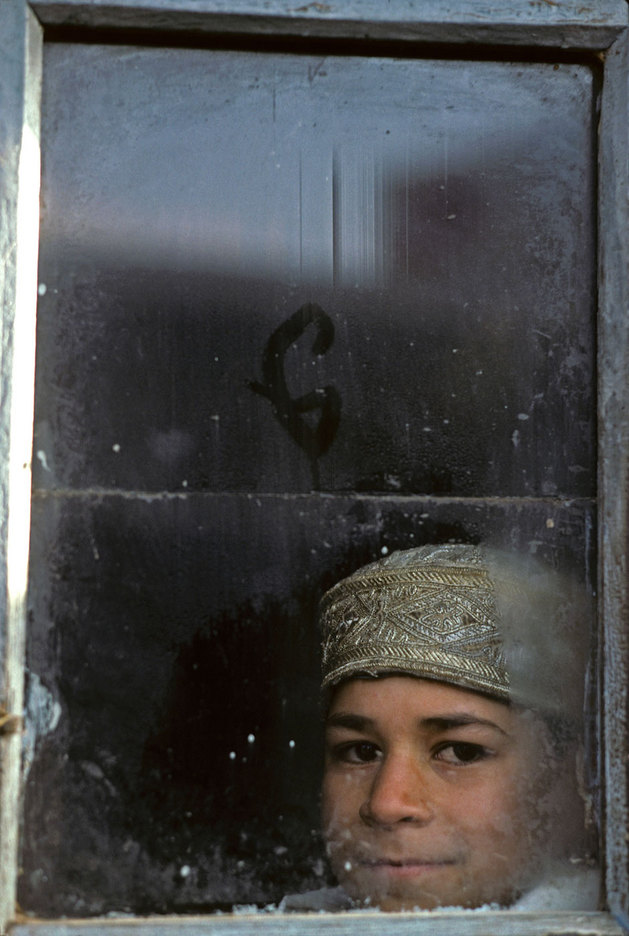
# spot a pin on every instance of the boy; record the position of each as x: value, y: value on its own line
x: 452, y: 732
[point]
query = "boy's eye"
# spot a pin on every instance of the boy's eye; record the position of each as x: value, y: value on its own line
x: 357, y: 752
x: 458, y: 753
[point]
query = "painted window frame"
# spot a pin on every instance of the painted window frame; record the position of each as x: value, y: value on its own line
x: 521, y: 27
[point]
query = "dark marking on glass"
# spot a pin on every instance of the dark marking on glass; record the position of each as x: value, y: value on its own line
x: 313, y: 440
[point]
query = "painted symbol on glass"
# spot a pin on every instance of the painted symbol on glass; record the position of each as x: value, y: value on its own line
x: 313, y: 439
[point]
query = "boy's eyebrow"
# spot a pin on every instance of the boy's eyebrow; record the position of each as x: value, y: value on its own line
x: 434, y: 724
x: 349, y: 720
x: 458, y: 720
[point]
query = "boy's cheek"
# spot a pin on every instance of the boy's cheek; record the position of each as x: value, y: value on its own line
x: 341, y: 796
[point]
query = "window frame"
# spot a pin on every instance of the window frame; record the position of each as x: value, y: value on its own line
x: 517, y: 27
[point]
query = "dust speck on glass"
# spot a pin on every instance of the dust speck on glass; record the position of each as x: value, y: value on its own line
x: 296, y: 313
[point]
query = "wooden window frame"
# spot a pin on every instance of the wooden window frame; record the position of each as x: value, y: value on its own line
x: 511, y: 27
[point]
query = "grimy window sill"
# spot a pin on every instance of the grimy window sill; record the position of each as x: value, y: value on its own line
x: 367, y: 923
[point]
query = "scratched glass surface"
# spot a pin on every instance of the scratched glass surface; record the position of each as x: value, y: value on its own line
x: 295, y: 313
x: 234, y: 252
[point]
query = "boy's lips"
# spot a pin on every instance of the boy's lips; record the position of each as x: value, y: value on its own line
x: 405, y: 864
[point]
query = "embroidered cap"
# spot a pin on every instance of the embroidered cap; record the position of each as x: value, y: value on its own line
x: 459, y: 614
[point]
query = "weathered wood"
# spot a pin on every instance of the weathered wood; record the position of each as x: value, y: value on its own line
x: 614, y: 464
x: 20, y: 82
x: 560, y: 23
x: 484, y: 923
x: 568, y: 23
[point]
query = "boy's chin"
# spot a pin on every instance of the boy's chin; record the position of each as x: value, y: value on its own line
x: 433, y: 892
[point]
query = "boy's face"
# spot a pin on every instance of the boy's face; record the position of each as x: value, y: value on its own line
x: 429, y: 794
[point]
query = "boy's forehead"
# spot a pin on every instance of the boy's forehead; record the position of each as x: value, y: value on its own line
x: 412, y: 693
x: 410, y: 704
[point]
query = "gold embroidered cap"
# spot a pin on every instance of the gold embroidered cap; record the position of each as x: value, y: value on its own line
x: 462, y: 615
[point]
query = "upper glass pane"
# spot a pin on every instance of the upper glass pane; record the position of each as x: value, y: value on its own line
x: 358, y: 274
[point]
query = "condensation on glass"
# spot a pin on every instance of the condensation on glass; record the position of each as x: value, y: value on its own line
x: 295, y: 312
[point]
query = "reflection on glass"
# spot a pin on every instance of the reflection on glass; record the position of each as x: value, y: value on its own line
x: 453, y: 733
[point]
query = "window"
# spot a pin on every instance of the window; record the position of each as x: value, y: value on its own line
x: 434, y: 196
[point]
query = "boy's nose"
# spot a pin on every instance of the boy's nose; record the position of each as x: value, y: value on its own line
x: 399, y: 793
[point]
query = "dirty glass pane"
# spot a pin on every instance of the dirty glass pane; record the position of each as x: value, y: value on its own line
x: 295, y: 313
x: 274, y: 231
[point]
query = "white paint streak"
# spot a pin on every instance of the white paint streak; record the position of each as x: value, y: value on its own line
x: 41, y: 458
x: 43, y: 714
